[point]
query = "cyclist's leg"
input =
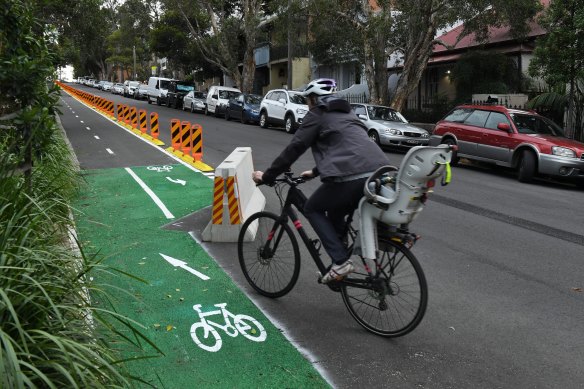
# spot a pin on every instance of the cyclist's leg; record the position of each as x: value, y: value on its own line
x: 326, y: 210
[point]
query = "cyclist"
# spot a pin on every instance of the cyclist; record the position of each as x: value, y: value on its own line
x: 344, y: 156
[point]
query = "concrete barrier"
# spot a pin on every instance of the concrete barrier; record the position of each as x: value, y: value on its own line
x: 235, y: 198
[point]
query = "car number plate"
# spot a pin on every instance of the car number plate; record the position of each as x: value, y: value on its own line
x: 413, y: 142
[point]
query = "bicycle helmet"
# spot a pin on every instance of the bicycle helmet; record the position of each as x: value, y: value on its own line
x: 320, y: 87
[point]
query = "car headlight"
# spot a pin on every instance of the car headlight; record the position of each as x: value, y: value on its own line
x: 392, y: 131
x: 199, y: 104
x: 254, y: 111
x: 301, y: 111
x: 563, y: 152
x: 425, y: 135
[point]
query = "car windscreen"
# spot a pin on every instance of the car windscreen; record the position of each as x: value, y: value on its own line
x: 200, y: 95
x: 184, y: 88
x: 297, y: 98
x: 385, y: 113
x: 134, y: 83
x: 531, y: 124
x: 227, y: 94
x: 253, y: 99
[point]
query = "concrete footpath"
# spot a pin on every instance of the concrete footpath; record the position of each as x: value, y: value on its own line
x: 211, y: 333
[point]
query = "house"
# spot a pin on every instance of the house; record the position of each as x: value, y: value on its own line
x: 436, y: 80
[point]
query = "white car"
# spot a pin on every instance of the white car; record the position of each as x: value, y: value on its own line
x: 195, y: 101
x: 118, y: 89
x: 107, y: 86
x: 388, y: 127
x: 283, y: 107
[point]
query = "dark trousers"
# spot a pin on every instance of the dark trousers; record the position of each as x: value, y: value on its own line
x: 326, y: 211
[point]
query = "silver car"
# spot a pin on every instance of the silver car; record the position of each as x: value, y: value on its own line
x: 387, y: 127
x: 195, y: 101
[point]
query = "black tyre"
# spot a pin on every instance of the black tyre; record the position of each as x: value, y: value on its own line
x: 148, y: 98
x: 374, y: 136
x: 206, y: 111
x: 527, y: 167
x: 289, y: 125
x: 271, y: 262
x: 454, y: 160
x: 227, y: 116
x: 192, y: 108
x: 264, y: 120
x: 243, y: 119
x: 158, y: 102
x: 396, y: 298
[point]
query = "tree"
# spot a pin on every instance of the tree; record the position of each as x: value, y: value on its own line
x: 225, y: 32
x: 408, y: 28
x: 559, y: 55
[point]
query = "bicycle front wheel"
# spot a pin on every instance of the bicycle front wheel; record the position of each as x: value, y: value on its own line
x: 393, y: 302
x: 271, y: 262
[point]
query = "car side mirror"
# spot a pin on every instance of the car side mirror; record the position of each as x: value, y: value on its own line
x: 283, y: 101
x: 504, y: 127
x: 361, y: 116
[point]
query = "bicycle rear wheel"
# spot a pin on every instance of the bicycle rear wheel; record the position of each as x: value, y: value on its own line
x: 271, y: 262
x: 393, y: 302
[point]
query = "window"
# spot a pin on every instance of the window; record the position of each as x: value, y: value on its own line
x: 477, y: 118
x: 494, y: 119
x: 359, y: 110
x: 296, y: 98
x: 458, y: 115
x: 531, y: 124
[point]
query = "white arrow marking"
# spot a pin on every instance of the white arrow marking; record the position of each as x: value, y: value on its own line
x: 178, y: 263
x: 177, y: 181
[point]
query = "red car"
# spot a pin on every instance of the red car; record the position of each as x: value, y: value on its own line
x: 522, y: 140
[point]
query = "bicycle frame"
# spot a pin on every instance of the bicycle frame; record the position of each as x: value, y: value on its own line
x: 229, y: 327
x: 296, y: 198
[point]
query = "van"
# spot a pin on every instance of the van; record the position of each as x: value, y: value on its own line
x: 158, y: 89
x: 218, y: 99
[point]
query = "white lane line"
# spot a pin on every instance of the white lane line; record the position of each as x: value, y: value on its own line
x: 151, y: 194
x: 82, y: 121
x: 96, y: 137
x: 109, y: 151
x: 88, y: 128
x: 76, y: 115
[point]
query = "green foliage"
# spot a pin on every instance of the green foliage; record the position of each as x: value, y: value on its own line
x: 485, y: 72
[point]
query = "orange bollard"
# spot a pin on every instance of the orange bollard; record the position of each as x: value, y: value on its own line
x: 175, y: 133
x: 142, y: 121
x: 134, y: 117
x: 154, y: 125
x: 197, y: 142
x: 186, y: 137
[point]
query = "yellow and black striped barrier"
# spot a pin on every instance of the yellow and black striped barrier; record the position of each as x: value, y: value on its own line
x: 134, y: 117
x: 143, y: 123
x: 175, y: 132
x: 154, y: 131
x: 185, y: 137
x: 197, y: 142
x: 127, y: 114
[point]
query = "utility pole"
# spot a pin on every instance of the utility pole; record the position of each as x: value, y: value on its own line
x: 289, y: 81
x: 134, y: 69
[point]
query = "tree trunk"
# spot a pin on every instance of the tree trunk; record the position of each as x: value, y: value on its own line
x: 370, y: 72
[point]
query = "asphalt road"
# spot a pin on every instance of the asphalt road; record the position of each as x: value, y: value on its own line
x: 504, y: 263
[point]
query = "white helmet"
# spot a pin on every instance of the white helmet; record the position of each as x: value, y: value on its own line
x: 320, y: 87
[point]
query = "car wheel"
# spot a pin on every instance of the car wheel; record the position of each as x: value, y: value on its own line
x: 454, y: 160
x: 158, y: 102
x: 227, y: 117
x: 289, y: 125
x: 192, y: 108
x: 263, y: 120
x: 374, y: 136
x: 206, y: 110
x: 243, y: 119
x: 527, y: 167
x: 148, y: 98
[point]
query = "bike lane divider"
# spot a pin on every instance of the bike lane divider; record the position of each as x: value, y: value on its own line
x: 212, y: 335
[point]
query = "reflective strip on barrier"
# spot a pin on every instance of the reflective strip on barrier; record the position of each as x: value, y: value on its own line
x: 185, y: 136
x: 134, y: 117
x: 217, y: 215
x: 175, y: 133
x: 233, y: 201
x: 154, y: 125
x: 197, y: 141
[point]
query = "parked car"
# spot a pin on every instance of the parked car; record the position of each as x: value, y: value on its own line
x: 195, y: 101
x: 130, y: 88
x: 522, y: 140
x: 244, y: 107
x: 177, y: 90
x: 218, y: 98
x: 283, y: 107
x: 118, y: 89
x: 388, y: 127
x: 100, y: 84
x: 141, y: 92
x: 107, y: 86
x: 157, y: 89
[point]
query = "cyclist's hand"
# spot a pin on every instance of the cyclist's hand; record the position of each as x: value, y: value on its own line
x: 257, y: 176
x: 308, y: 174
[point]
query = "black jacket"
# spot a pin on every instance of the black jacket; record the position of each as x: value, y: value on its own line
x: 339, y: 141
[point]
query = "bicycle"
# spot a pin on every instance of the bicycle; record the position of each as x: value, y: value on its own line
x: 242, y: 324
x: 387, y: 294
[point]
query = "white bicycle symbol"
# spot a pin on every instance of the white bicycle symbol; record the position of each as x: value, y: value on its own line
x: 242, y: 324
x: 165, y: 168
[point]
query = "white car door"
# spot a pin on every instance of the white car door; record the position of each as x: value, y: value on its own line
x: 279, y: 104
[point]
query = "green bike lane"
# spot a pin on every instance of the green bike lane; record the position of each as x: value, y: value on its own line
x: 120, y: 215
